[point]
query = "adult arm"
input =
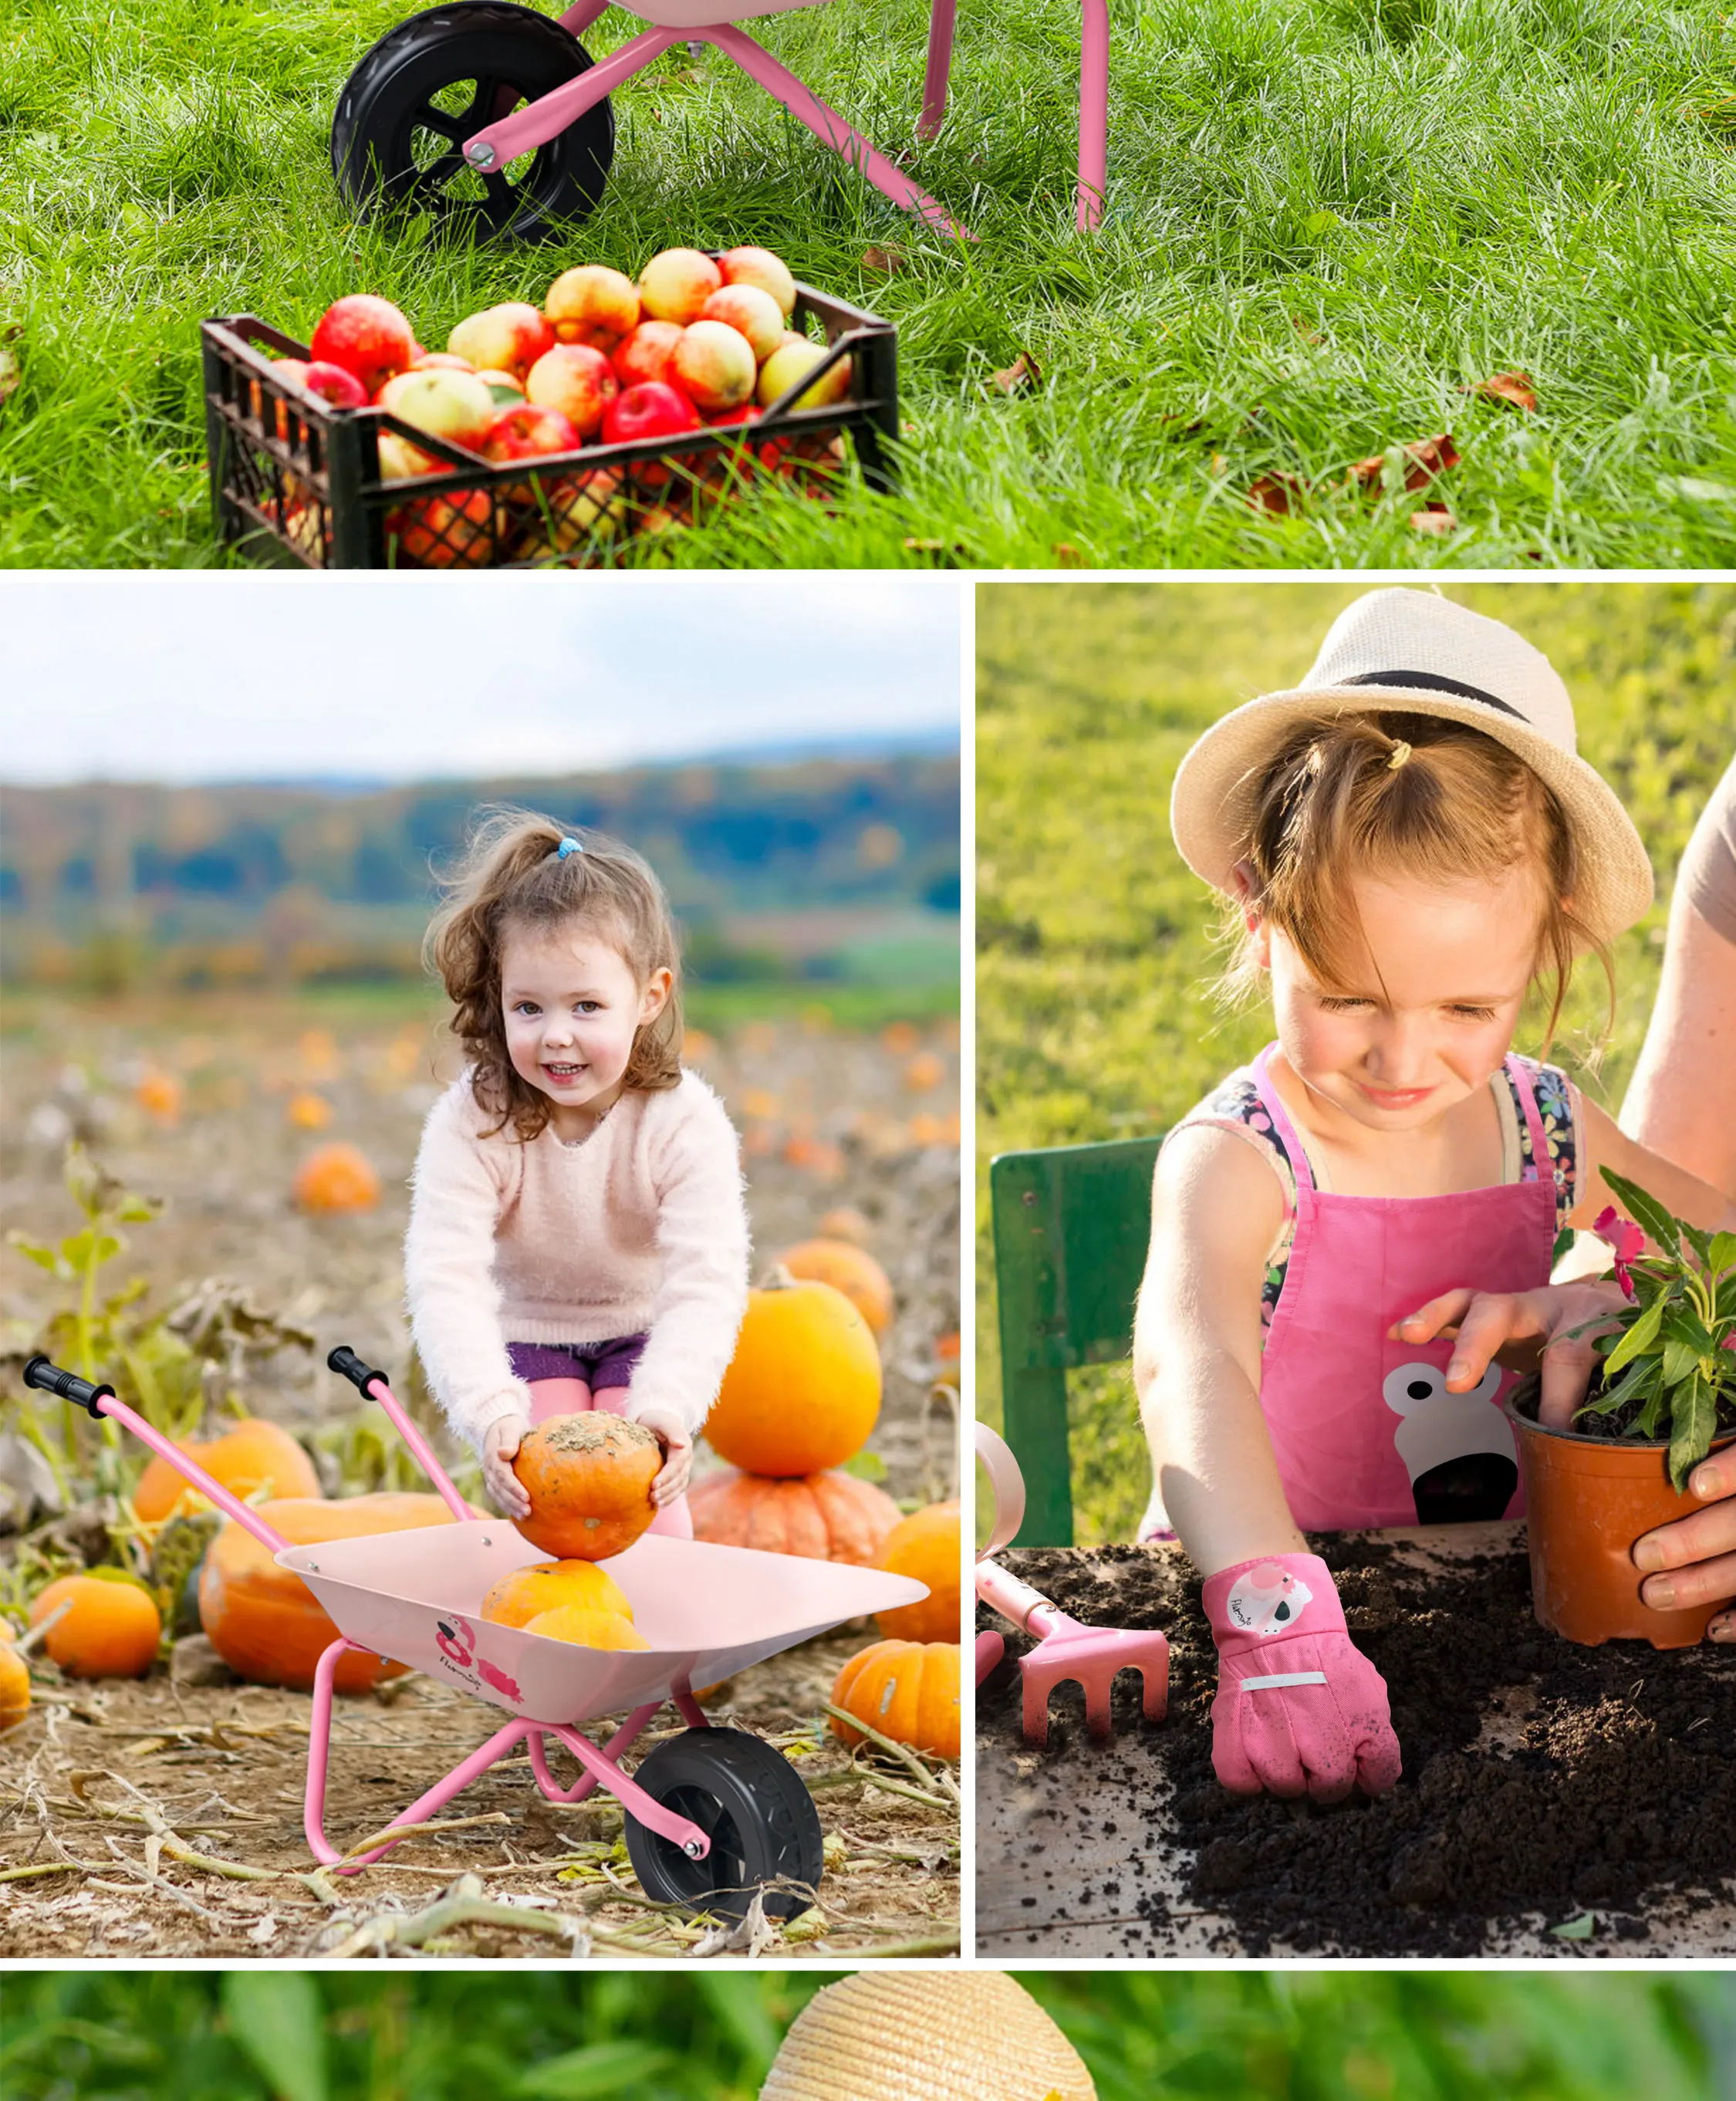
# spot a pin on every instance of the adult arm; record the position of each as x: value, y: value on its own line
x: 1681, y: 1101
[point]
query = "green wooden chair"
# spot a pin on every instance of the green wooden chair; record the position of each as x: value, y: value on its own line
x: 1070, y: 1225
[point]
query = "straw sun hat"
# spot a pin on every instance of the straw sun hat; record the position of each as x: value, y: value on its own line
x: 926, y: 2035
x: 1411, y: 652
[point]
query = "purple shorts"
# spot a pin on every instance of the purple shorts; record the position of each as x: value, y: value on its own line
x: 600, y: 1364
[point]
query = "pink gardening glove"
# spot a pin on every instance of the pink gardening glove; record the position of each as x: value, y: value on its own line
x: 1300, y: 1709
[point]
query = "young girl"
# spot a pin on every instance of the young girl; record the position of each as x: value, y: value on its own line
x: 1410, y: 843
x: 578, y: 1237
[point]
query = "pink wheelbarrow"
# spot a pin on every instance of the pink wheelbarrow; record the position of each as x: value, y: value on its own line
x: 713, y: 1816
x: 1066, y: 1649
x: 489, y: 119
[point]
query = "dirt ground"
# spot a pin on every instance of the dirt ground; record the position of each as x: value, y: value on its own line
x: 1556, y: 1801
x: 111, y: 1786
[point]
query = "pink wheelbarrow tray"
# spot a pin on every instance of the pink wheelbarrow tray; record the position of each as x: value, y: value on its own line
x: 1066, y: 1648
x: 493, y: 119
x: 713, y: 1816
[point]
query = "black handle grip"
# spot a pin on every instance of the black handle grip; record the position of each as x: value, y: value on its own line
x: 348, y: 1365
x: 48, y: 1376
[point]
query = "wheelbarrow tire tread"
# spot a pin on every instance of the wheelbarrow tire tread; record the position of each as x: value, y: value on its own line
x: 769, y: 1814
x: 469, y: 41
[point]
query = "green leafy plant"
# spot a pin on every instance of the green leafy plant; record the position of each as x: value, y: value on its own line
x: 1669, y: 1363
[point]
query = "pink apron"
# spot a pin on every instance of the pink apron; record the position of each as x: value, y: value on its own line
x: 1364, y: 1430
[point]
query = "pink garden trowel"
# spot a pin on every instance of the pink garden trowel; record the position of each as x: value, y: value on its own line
x: 1065, y: 1650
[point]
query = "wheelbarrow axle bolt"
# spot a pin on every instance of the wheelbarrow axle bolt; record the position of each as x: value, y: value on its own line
x: 479, y: 153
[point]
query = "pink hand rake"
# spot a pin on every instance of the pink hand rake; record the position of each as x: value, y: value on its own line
x: 1066, y: 1649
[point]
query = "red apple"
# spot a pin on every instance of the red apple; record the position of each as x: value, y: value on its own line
x: 454, y: 531
x: 510, y: 337
x: 440, y: 360
x: 583, y: 512
x: 754, y: 313
x: 528, y: 432
x: 367, y: 336
x: 785, y: 367
x: 577, y: 380
x: 654, y: 410
x: 731, y: 418
x: 713, y: 366
x: 332, y: 384
x: 759, y: 267
x: 646, y: 353
x: 674, y: 285
x: 592, y: 305
x: 454, y: 406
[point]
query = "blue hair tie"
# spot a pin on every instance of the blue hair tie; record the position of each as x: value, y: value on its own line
x: 567, y: 846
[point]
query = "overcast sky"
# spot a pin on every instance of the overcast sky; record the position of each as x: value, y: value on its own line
x: 261, y: 676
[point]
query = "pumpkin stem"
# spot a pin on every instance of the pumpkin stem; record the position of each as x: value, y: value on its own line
x: 777, y: 1278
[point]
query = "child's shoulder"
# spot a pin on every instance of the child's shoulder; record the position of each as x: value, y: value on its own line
x: 1550, y: 1085
x: 691, y: 1107
x: 459, y: 1113
x: 1234, y: 1105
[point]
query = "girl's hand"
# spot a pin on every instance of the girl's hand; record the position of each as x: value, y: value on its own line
x: 677, y: 1441
x: 500, y: 1441
x: 1484, y: 1322
x: 1698, y: 1551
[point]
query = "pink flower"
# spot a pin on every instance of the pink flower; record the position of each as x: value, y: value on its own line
x: 1625, y: 1238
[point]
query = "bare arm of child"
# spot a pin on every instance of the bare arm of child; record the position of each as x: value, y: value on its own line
x: 1604, y: 1143
x: 1217, y: 1208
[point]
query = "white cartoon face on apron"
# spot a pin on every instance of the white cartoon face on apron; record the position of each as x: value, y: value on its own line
x: 1267, y: 1600
x: 1457, y: 1448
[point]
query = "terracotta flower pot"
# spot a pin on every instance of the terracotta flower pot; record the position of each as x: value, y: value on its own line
x: 1588, y: 1499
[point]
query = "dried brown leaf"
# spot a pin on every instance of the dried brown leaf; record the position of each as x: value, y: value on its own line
x: 1024, y: 372
x: 1428, y: 457
x: 1433, y: 518
x: 1067, y: 556
x: 1273, y: 492
x: 882, y: 262
x: 1511, y: 386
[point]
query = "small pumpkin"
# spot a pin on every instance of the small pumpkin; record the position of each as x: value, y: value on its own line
x: 585, y: 1628
x: 907, y: 1690
x: 336, y: 1178
x: 589, y: 1479
x: 803, y: 1391
x: 254, y: 1456
x: 111, y: 1629
x: 927, y: 1547
x: 822, y: 1517
x: 847, y: 1268
x: 14, y: 1687
x: 517, y: 1598
x: 308, y: 1111
x: 264, y: 1621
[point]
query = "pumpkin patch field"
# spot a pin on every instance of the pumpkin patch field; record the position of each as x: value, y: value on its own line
x: 202, y: 1201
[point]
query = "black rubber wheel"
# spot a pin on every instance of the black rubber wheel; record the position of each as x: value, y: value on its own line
x: 751, y: 1803
x: 427, y: 85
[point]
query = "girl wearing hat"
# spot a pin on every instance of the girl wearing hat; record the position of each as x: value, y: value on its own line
x: 578, y: 1236
x: 1409, y: 845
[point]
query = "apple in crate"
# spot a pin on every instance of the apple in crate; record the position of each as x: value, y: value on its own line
x: 760, y: 267
x: 785, y: 367
x: 592, y: 305
x: 338, y: 389
x: 577, y: 380
x: 367, y: 336
x: 507, y: 391
x: 454, y: 406
x: 582, y: 512
x: 715, y: 366
x: 510, y: 337
x: 440, y: 360
x: 524, y: 433
x: 654, y: 410
x: 453, y: 532
x: 674, y: 285
x: 755, y: 313
x: 645, y: 355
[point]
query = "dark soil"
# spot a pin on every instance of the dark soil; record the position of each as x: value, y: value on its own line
x: 1539, y: 1778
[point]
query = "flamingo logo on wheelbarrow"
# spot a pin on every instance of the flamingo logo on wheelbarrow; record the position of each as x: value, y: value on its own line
x: 456, y: 1640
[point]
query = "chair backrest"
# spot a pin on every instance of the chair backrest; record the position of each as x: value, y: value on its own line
x: 1070, y: 1226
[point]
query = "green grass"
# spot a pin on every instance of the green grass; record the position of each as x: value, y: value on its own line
x: 1095, y: 1015
x: 557, y: 2036
x: 1326, y: 217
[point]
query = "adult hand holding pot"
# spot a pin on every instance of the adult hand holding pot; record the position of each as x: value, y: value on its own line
x: 1698, y: 1552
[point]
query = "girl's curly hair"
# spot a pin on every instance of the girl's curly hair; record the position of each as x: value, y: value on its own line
x: 511, y: 874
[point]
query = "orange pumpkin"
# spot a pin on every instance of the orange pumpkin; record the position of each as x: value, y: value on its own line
x: 909, y: 1690
x: 255, y: 1455
x: 161, y: 1095
x: 588, y: 1630
x: 846, y: 1224
x: 823, y: 1517
x: 589, y: 1479
x: 803, y: 1391
x: 264, y: 1621
x: 517, y: 1598
x: 927, y: 1547
x: 14, y: 1687
x: 112, y: 1629
x: 850, y: 1269
x: 308, y: 1111
x: 336, y: 1178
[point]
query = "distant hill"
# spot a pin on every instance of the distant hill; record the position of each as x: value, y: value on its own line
x: 334, y: 879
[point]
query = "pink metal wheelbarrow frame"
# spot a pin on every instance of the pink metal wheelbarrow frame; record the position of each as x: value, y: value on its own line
x: 414, y: 1597
x: 491, y: 149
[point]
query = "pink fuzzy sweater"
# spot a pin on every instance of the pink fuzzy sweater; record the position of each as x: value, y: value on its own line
x: 643, y: 1227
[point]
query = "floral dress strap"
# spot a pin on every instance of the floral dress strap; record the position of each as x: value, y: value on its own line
x: 1557, y: 1112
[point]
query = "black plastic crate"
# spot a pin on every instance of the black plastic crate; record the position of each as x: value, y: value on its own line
x: 294, y: 481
